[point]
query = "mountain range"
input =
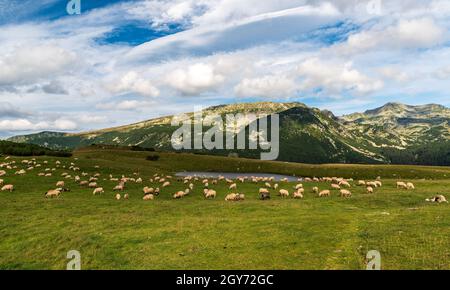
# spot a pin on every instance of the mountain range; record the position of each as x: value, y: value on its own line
x: 394, y: 133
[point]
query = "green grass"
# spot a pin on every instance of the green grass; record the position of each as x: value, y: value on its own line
x: 193, y: 233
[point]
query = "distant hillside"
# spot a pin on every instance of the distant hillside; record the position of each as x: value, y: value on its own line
x: 22, y: 149
x: 394, y: 133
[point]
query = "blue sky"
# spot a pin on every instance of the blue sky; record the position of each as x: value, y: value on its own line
x: 120, y: 62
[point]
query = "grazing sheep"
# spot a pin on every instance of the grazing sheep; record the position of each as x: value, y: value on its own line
x: 344, y: 183
x: 264, y: 194
x: 1, y: 181
x: 401, y: 185
x: 148, y: 197
x: 210, y: 193
x: 369, y: 189
x: 126, y: 196
x: 438, y: 198
x: 378, y: 183
x: 235, y: 197
x: 98, y: 190
x: 284, y: 193
x: 166, y: 184
x: 345, y: 193
x: 8, y: 187
x: 2, y: 172
x: 335, y: 186
x: 324, y: 193
x: 84, y: 183
x: 93, y: 185
x: 20, y: 172
x: 231, y: 197
x: 315, y: 190
x: 139, y: 180
x: 232, y: 186
x: 179, y: 194
x: 284, y: 180
x: 410, y: 185
x: 60, y: 184
x: 299, y: 186
x: 268, y: 185
x: 275, y: 186
x: 53, y: 193
x: 298, y: 194
x: 191, y: 186
x: 148, y: 190
x: 361, y: 183
x: 372, y: 184
x: 119, y: 187
x: 118, y: 196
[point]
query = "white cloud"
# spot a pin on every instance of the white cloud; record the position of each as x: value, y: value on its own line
x: 406, y: 34
x: 392, y: 73
x: 8, y: 110
x: 127, y: 105
x: 442, y: 73
x: 27, y: 125
x: 195, y: 79
x: 335, y: 78
x: 132, y: 82
x: 28, y: 64
x: 267, y: 86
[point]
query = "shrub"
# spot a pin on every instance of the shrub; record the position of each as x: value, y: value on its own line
x: 153, y: 158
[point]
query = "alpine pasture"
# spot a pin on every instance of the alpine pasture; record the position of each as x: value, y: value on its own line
x: 194, y: 232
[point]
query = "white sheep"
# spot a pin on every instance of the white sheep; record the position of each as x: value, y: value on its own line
x: 324, y: 193
x: 98, y: 190
x: 438, y: 198
x: 369, y: 189
x: 93, y: 185
x: 148, y: 197
x: 298, y: 194
x: 344, y: 183
x: 53, y: 193
x: 284, y: 193
x: 60, y: 184
x: 335, y: 186
x: 179, y: 194
x: 210, y: 193
x: 8, y: 187
x: 401, y: 185
x: 345, y: 193
x: 148, y: 190
x: 119, y: 187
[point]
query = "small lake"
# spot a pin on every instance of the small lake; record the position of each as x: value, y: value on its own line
x: 229, y: 175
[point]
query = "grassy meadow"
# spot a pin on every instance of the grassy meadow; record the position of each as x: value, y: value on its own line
x: 194, y: 233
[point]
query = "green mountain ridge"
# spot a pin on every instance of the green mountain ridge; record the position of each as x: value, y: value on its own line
x: 394, y: 133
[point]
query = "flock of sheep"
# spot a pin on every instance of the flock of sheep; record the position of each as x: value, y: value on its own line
x: 331, y: 184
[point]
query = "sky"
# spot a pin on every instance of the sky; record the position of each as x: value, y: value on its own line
x: 120, y: 62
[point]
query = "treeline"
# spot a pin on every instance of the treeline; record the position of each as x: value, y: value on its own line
x: 437, y: 154
x: 24, y: 149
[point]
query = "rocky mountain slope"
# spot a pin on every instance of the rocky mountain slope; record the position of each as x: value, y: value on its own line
x: 383, y: 135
